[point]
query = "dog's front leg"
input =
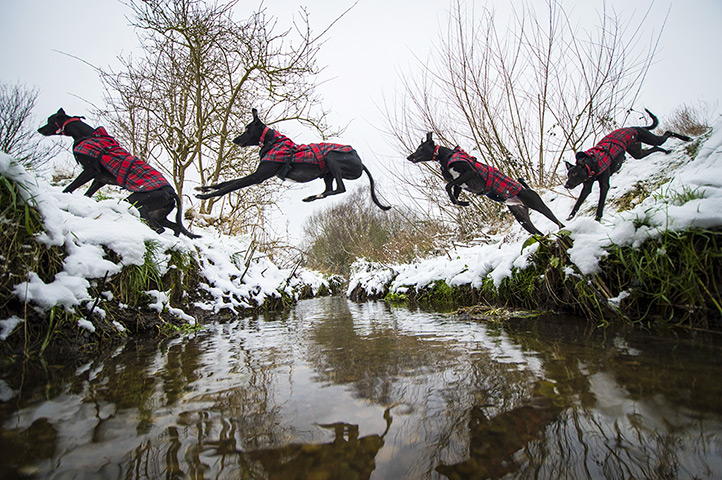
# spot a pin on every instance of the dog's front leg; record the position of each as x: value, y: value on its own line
x: 265, y: 171
x: 603, y: 189
x: 453, y: 188
x: 84, y: 177
x: 94, y: 187
x: 215, y: 186
x: 586, y: 190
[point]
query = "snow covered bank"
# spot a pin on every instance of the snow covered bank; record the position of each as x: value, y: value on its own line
x: 102, y: 238
x: 660, y: 193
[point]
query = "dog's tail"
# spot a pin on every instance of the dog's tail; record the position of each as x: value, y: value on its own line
x: 655, y: 122
x: 179, y: 219
x: 373, y: 191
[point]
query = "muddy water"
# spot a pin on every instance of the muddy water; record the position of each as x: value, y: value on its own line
x: 338, y: 390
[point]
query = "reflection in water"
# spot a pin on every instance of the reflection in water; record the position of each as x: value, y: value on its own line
x: 346, y: 457
x: 494, y: 442
x: 335, y: 389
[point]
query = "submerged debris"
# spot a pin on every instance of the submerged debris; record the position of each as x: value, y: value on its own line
x: 492, y: 314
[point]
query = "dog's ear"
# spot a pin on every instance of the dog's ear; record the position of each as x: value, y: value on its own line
x: 428, y: 137
x: 569, y: 165
x: 61, y: 112
x: 255, y: 115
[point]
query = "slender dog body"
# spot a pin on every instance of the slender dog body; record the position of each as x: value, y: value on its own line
x: 106, y: 163
x: 599, y: 163
x: 284, y: 159
x: 462, y: 171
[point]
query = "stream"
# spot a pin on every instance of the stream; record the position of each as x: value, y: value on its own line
x: 334, y: 389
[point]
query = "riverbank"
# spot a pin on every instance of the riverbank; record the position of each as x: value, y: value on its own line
x: 654, y: 258
x: 79, y: 273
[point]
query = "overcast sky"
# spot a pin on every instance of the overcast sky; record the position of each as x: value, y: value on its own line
x: 364, y: 55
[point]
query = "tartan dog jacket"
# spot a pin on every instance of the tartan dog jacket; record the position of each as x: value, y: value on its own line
x: 284, y: 150
x: 129, y: 171
x: 498, y: 187
x: 608, y: 148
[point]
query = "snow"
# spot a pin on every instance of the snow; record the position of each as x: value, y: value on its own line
x: 236, y: 277
x: 671, y: 177
x: 87, y: 229
x: 8, y: 325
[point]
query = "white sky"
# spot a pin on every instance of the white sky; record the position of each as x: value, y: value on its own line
x: 364, y: 55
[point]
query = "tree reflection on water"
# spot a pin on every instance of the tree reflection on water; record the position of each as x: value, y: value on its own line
x: 335, y: 389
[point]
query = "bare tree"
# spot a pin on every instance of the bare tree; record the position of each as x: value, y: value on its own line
x: 521, y: 97
x: 17, y: 128
x: 193, y: 87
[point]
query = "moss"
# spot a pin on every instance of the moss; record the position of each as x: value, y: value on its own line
x: 396, y: 297
x: 633, y: 197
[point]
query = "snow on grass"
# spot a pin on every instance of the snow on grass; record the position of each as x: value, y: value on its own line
x: 87, y: 228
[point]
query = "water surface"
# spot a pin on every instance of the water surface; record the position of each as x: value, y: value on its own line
x: 339, y: 390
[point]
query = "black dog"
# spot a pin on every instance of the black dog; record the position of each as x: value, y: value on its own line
x: 301, y: 163
x: 600, y: 162
x: 461, y: 170
x: 106, y: 163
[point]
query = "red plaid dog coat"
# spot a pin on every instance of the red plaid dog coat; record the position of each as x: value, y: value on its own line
x: 284, y: 150
x: 130, y: 172
x: 497, y: 184
x: 609, y: 148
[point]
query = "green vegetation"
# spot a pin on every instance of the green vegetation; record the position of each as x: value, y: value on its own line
x: 674, y: 280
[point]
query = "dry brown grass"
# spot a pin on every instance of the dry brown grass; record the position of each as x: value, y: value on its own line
x: 691, y: 120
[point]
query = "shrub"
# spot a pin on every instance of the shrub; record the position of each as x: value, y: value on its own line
x: 692, y: 121
x: 356, y: 228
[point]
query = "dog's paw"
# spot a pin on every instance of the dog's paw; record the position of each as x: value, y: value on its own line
x: 570, y: 217
x: 202, y: 188
x: 205, y: 196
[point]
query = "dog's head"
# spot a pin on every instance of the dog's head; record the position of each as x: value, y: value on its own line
x: 56, y: 123
x: 253, y: 132
x: 424, y: 152
x: 579, y: 173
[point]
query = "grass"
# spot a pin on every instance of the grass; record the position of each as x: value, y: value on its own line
x: 675, y: 280
x: 131, y: 283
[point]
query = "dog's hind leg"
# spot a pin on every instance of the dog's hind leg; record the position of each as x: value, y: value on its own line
x: 521, y: 214
x: 328, y: 180
x: 647, y: 137
x: 177, y: 226
x: 636, y: 150
x: 532, y: 200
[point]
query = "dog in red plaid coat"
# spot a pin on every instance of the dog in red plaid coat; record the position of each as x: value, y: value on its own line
x: 282, y: 158
x: 107, y: 163
x: 599, y: 163
x: 462, y: 171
